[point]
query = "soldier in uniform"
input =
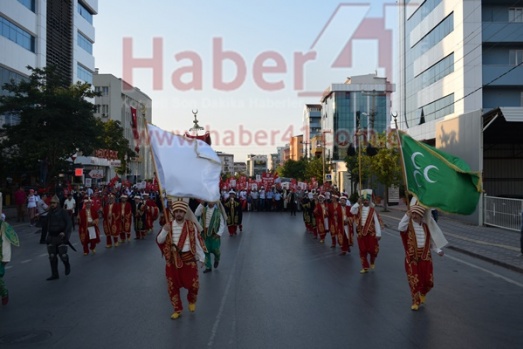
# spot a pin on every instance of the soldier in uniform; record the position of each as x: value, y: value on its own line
x: 59, y: 226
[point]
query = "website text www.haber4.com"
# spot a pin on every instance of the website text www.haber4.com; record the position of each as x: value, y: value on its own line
x: 244, y: 136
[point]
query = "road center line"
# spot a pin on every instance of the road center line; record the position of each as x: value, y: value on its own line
x: 214, y: 329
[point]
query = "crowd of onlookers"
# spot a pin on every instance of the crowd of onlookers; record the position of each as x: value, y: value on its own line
x: 31, y: 204
x: 273, y: 199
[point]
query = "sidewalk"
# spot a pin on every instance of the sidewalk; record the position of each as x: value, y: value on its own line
x: 494, y: 245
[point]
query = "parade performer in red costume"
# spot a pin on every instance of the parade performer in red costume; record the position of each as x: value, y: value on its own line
x: 345, y: 235
x: 182, y: 247
x: 335, y: 220
x: 151, y: 212
x: 321, y: 214
x: 112, y: 221
x: 368, y: 227
x: 126, y: 219
x: 419, y: 233
x: 88, y: 227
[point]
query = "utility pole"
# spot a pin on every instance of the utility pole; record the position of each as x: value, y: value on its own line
x: 323, y: 156
x: 307, y: 144
x: 372, y: 110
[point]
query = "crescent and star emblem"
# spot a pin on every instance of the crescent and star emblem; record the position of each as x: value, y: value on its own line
x: 417, y: 172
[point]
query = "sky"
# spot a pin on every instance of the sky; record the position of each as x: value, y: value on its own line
x: 247, y: 67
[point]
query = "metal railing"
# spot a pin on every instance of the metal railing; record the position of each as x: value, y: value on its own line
x: 503, y: 212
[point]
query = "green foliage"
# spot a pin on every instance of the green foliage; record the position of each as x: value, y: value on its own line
x: 55, y: 120
x: 314, y: 169
x: 111, y: 136
x: 384, y: 166
x: 353, y: 166
x: 294, y: 169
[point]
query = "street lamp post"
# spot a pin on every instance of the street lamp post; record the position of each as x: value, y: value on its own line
x: 323, y: 157
x: 324, y: 144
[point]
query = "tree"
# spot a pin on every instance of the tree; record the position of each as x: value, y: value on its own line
x: 385, y: 166
x: 56, y: 120
x: 112, y: 137
x: 294, y: 169
x: 314, y: 169
x: 353, y: 166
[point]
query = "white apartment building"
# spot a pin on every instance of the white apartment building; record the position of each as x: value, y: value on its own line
x: 40, y: 33
x: 461, y: 85
x: 117, y: 98
x: 227, y: 161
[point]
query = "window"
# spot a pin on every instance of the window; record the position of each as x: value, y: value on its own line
x: 17, y: 34
x: 437, y: 72
x: 105, y: 109
x: 84, y: 74
x: 85, y: 43
x: 105, y: 90
x: 515, y: 57
x: 30, y: 4
x: 85, y: 13
x: 6, y: 75
x: 515, y: 14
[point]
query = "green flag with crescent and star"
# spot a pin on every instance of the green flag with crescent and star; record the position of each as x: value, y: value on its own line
x: 439, y: 180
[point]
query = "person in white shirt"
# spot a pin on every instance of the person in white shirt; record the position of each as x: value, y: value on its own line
x: 182, y: 247
x: 8, y: 237
x: 254, y: 197
x: 420, y: 233
x: 211, y: 217
x: 31, y: 207
x: 42, y: 209
x: 69, y: 206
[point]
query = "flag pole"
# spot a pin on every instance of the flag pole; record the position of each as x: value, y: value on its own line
x: 402, y: 160
x: 359, y: 160
x: 148, y: 142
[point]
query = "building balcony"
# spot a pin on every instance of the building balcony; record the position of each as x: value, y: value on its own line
x: 491, y: 72
x: 502, y: 32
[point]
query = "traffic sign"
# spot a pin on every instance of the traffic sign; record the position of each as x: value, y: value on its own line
x: 97, y: 174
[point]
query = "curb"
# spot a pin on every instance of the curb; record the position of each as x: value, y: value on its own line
x: 487, y: 259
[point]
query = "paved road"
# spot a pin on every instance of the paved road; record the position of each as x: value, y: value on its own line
x: 275, y: 288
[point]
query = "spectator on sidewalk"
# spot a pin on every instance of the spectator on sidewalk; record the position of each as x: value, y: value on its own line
x: 42, y: 209
x: 31, y: 206
x: 8, y: 237
x: 20, y: 202
x: 70, y: 207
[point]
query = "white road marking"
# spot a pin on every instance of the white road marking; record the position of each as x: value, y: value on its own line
x: 26, y: 261
x: 485, y: 270
x: 214, y: 329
